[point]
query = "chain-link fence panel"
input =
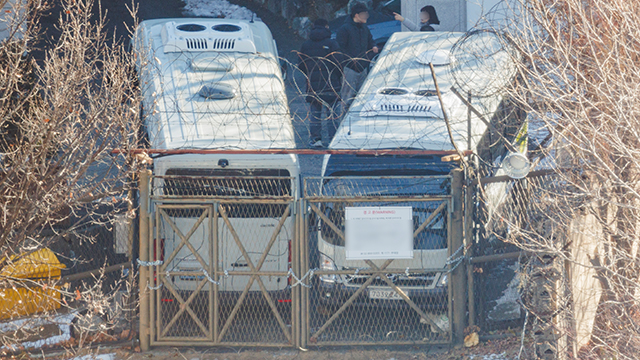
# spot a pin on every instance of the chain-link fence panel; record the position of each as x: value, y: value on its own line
x: 97, y: 237
x: 221, y: 259
x: 519, y: 286
x: 378, y: 301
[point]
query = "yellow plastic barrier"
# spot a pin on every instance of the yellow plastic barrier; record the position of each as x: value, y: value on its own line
x: 32, y: 296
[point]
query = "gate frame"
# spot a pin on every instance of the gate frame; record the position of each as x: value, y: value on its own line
x: 300, y: 324
x: 157, y: 332
x: 150, y: 211
x: 455, y: 240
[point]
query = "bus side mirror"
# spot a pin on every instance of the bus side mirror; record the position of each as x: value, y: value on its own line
x: 284, y: 68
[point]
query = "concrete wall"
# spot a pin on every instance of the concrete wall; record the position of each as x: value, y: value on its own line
x: 452, y: 13
x: 586, y: 289
x: 477, y: 9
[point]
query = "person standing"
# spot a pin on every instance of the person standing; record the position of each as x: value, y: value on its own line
x: 320, y: 62
x: 428, y: 20
x: 356, y: 43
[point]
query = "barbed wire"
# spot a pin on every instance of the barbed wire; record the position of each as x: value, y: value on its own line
x: 257, y: 113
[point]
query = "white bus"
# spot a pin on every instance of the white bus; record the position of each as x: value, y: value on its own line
x: 398, y: 108
x: 217, y: 84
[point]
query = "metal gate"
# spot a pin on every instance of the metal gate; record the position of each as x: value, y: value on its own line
x: 219, y: 264
x: 264, y: 268
x: 383, y: 301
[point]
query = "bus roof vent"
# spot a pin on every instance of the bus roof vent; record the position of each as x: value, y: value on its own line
x: 436, y: 57
x: 217, y: 92
x: 224, y: 44
x: 226, y: 28
x: 403, y: 102
x: 207, y: 36
x: 196, y: 43
x: 191, y: 27
x: 211, y: 64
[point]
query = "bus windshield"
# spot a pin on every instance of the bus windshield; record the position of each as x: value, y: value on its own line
x: 388, y: 176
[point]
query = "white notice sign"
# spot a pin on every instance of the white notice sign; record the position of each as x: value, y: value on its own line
x: 379, y: 232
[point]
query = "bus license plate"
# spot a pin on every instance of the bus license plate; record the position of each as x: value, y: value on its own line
x: 384, y: 294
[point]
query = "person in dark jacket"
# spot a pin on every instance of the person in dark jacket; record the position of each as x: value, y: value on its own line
x: 320, y: 62
x: 356, y: 43
x: 428, y: 20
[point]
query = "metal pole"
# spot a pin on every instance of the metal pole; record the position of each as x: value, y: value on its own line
x: 458, y: 276
x: 213, y: 272
x: 132, y: 202
x: 216, y: 272
x: 295, y: 266
x: 469, y: 242
x: 304, y: 258
x: 469, y: 123
x: 155, y: 304
x: 145, y: 176
x: 96, y: 272
x: 496, y: 257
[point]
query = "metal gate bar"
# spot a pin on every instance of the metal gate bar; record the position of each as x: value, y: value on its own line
x: 381, y: 271
x: 348, y: 302
x: 162, y: 273
x: 213, y: 210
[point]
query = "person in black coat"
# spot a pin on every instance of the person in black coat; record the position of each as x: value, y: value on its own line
x: 356, y: 43
x: 320, y: 62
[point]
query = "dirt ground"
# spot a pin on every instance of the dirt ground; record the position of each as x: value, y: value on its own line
x: 505, y: 349
x: 498, y: 350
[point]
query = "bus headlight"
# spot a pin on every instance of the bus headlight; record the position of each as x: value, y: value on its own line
x: 326, y: 264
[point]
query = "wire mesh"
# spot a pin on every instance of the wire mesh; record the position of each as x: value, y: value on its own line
x: 231, y: 185
x: 521, y: 287
x: 94, y: 246
x: 376, y: 301
x: 93, y: 237
x: 223, y: 266
x: 496, y: 295
x: 378, y: 186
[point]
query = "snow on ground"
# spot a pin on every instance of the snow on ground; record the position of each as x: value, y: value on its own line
x: 62, y: 321
x: 507, y: 306
x: 502, y: 356
x: 96, y: 357
x: 217, y: 9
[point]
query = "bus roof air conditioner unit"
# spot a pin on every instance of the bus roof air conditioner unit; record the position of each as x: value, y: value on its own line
x: 205, y: 36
